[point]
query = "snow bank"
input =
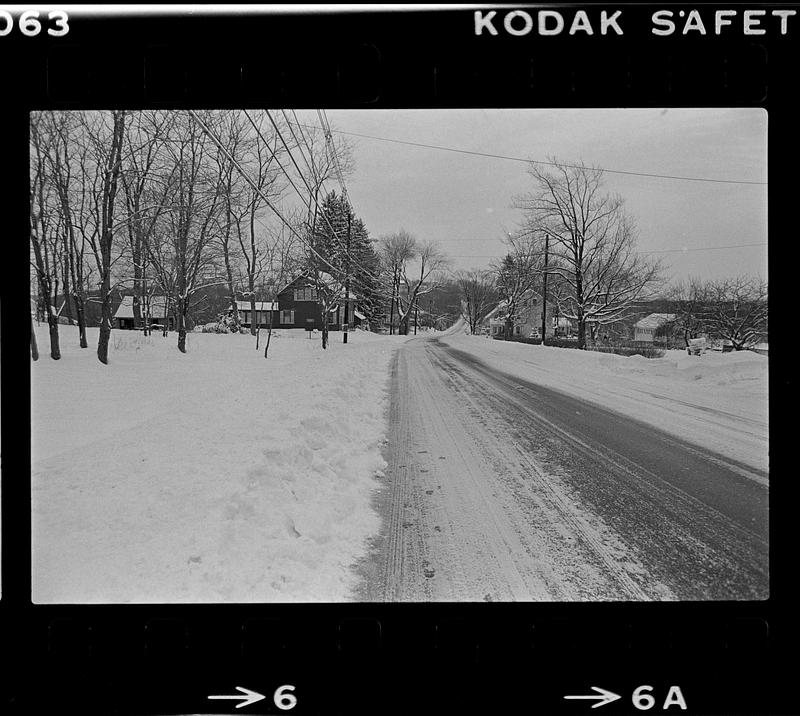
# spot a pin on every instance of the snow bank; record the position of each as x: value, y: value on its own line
x: 211, y: 476
x: 717, y: 400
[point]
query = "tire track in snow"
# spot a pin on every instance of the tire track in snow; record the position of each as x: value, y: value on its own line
x: 468, y: 513
x: 594, y: 536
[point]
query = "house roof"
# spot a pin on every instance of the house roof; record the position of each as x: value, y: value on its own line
x: 654, y: 320
x: 324, y: 278
x: 157, y: 307
x: 260, y: 306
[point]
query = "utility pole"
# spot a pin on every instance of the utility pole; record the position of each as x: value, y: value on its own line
x: 347, y: 281
x: 544, y: 287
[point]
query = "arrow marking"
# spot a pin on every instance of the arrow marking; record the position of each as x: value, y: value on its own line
x: 250, y: 697
x: 606, y: 697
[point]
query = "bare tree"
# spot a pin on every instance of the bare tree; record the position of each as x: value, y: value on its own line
x: 593, y: 243
x: 260, y: 157
x: 418, y: 278
x: 233, y: 136
x: 146, y: 180
x: 478, y: 294
x: 395, y: 251
x: 45, y: 222
x: 736, y: 310
x: 185, y: 258
x: 66, y: 160
x: 688, y: 300
x: 103, y: 133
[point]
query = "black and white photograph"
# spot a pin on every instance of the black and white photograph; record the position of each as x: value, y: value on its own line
x: 399, y: 355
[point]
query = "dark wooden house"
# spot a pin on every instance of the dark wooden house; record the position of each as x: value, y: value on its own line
x: 298, y: 306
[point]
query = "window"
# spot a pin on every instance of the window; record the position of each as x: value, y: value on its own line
x: 305, y: 294
x: 287, y: 317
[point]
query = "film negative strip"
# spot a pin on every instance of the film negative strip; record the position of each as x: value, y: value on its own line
x: 398, y: 359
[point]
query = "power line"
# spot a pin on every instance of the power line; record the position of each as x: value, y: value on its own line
x: 311, y: 171
x: 552, y: 164
x: 322, y: 183
x: 283, y: 169
x: 659, y: 251
x: 701, y: 248
x: 326, y: 130
x: 241, y: 171
x: 311, y: 193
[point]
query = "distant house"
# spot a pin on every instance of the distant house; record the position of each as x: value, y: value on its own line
x: 644, y: 330
x: 298, y: 306
x: 156, y: 308
x: 67, y: 311
x: 528, y: 318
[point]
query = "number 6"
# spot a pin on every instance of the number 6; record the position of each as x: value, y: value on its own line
x: 283, y: 700
x: 28, y: 24
x: 643, y: 700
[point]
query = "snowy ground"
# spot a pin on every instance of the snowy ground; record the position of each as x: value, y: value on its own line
x: 717, y: 400
x: 220, y: 476
x: 211, y: 476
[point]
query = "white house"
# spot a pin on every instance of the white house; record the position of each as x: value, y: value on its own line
x: 528, y: 318
x: 644, y: 330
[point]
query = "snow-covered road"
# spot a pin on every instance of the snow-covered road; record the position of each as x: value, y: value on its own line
x: 498, y: 488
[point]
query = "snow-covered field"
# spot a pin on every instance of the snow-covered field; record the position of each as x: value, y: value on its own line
x: 717, y: 400
x: 211, y: 476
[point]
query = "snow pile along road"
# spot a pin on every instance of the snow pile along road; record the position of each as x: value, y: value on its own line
x: 211, y: 476
x: 717, y: 400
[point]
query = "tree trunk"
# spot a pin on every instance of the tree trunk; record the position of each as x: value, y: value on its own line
x: 581, y: 332
x: 55, y: 348
x: 138, y: 291
x: 66, y: 273
x: 107, y: 233
x: 395, y: 301
x: 269, y: 334
x: 229, y: 276
x: 81, y: 317
x: 34, y: 347
x: 182, y: 324
x: 404, y: 324
x: 252, y: 309
x: 105, y: 319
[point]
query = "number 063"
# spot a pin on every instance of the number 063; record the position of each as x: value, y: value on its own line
x: 30, y: 25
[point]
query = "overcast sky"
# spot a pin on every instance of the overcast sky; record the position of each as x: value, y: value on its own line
x: 464, y: 201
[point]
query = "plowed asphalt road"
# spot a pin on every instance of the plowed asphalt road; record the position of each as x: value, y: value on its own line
x: 501, y: 490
